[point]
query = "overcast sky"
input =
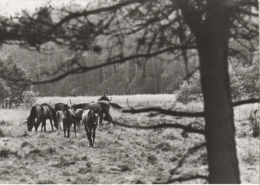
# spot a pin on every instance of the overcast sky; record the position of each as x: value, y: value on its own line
x: 10, y: 7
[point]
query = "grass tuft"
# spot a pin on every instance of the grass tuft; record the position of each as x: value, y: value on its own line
x: 5, y: 153
x: 51, y: 150
x: 2, y: 133
x: 46, y: 181
x: 25, y: 143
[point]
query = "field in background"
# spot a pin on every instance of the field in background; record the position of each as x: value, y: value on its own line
x: 133, y: 100
x: 121, y: 155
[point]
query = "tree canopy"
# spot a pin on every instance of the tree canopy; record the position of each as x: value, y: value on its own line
x: 133, y: 29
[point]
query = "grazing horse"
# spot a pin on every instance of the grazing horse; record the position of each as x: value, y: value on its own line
x: 71, y: 116
x: 89, y: 119
x: 41, y: 113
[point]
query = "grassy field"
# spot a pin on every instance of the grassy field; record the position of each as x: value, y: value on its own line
x: 121, y: 155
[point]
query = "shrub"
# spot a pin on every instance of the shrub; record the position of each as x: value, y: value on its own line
x: 190, y: 91
x: 29, y: 98
x: 244, y: 82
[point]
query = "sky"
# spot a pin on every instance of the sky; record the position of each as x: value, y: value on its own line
x: 10, y: 7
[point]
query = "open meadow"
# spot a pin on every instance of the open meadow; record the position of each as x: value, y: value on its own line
x: 121, y: 155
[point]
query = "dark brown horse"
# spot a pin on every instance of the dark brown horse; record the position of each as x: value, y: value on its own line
x: 60, y: 106
x: 114, y: 105
x: 71, y: 117
x: 104, y: 97
x: 41, y: 113
x: 89, y: 119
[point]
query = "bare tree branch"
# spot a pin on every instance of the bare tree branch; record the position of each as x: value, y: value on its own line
x: 90, y: 12
x: 181, y: 179
x: 167, y: 125
x: 248, y: 101
x: 164, y: 111
x: 183, y: 114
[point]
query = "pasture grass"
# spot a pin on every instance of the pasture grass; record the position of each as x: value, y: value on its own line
x: 121, y: 155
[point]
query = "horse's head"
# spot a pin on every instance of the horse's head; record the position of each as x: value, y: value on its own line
x: 93, y: 115
x: 30, y: 124
x: 104, y: 97
x: 65, y: 106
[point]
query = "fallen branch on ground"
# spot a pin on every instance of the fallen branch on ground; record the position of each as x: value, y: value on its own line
x: 166, y: 125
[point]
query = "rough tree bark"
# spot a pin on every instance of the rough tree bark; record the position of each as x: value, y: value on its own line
x: 212, y: 43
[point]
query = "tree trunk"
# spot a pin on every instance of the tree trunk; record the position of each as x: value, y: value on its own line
x: 220, y: 131
x: 155, y: 77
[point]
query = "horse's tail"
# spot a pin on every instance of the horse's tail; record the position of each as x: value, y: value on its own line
x: 115, y: 106
x: 32, y: 113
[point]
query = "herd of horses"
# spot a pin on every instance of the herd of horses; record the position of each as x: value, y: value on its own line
x: 63, y: 114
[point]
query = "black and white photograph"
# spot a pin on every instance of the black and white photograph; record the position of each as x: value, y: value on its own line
x: 129, y: 92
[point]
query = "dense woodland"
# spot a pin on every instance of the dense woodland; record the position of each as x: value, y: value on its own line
x: 164, y: 75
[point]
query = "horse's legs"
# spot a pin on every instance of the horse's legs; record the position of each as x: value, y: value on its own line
x: 100, y: 114
x: 89, y: 137
x: 37, y: 124
x: 51, y: 124
x: 94, y: 134
x: 44, y: 125
x: 61, y: 122
x: 88, y: 131
x: 75, y: 125
x: 68, y: 132
x: 64, y: 128
x: 109, y: 118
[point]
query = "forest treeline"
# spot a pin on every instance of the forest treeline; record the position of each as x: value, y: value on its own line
x: 160, y: 74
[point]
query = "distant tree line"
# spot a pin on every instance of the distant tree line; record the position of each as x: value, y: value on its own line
x: 163, y: 75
